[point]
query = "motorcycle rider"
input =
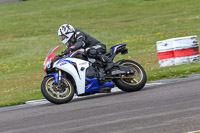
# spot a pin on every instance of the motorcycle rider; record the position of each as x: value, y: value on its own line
x: 75, y: 39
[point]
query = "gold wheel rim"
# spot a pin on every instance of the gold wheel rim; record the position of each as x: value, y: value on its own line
x: 53, y: 91
x: 132, y: 79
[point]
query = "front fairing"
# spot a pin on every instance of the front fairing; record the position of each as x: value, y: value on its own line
x: 69, y: 65
x: 49, y: 58
x: 76, y: 68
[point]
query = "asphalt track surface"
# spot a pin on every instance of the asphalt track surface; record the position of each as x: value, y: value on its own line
x: 172, y: 107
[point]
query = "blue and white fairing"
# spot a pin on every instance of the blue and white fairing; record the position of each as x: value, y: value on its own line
x: 76, y: 68
x: 93, y: 85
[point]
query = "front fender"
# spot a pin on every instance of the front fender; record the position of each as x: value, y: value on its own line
x: 55, y: 76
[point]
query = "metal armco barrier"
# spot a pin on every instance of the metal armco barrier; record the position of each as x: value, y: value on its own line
x: 178, y: 51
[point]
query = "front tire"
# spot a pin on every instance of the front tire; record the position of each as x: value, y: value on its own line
x: 54, y: 94
x: 131, y: 82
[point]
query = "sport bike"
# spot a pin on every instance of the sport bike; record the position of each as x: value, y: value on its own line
x: 78, y: 74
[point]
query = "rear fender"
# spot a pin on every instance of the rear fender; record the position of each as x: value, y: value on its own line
x: 119, y: 61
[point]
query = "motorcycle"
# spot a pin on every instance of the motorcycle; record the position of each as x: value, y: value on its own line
x: 78, y: 74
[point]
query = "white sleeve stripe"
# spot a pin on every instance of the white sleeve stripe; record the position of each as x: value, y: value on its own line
x: 83, y: 43
x: 79, y: 37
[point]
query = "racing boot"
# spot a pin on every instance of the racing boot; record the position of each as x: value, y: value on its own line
x: 109, y: 62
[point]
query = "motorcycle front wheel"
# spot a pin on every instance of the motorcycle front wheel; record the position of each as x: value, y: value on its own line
x: 54, y: 94
x: 131, y: 82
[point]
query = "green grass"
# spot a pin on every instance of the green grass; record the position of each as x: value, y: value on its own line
x: 29, y: 29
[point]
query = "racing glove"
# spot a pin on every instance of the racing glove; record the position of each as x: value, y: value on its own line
x: 67, y: 51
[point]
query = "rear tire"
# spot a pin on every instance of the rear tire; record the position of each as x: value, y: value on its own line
x: 131, y: 82
x: 54, y: 94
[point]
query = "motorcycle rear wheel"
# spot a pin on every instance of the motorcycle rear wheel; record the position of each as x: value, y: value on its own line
x: 54, y: 94
x: 131, y: 82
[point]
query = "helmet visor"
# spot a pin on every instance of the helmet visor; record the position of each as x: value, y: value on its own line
x: 64, y: 39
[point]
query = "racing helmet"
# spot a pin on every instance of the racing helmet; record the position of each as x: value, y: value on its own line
x: 65, y: 32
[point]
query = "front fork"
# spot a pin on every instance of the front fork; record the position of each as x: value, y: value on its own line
x: 59, y: 78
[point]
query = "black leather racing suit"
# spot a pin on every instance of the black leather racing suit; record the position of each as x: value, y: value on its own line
x: 93, y: 47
